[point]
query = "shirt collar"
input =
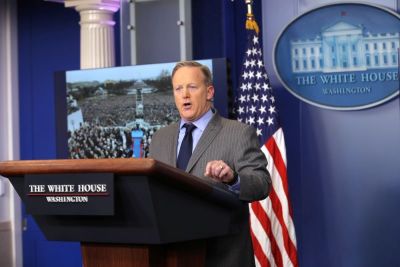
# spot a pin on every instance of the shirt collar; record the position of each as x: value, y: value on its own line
x: 202, y: 122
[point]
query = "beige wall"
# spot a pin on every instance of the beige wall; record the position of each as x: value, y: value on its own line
x: 6, y: 244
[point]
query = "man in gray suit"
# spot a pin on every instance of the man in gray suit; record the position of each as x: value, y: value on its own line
x: 211, y: 147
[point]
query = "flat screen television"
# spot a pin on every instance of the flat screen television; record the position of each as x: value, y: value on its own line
x: 113, y: 112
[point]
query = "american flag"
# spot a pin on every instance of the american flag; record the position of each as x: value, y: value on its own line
x: 272, y: 228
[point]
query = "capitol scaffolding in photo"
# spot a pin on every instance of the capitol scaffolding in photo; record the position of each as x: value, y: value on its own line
x: 113, y: 112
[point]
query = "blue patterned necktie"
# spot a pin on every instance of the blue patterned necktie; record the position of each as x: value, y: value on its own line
x: 185, y: 152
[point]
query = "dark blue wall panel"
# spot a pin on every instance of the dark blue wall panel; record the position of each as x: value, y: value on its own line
x: 219, y: 31
x: 343, y: 170
x: 48, y: 41
x: 350, y: 186
x: 48, y: 37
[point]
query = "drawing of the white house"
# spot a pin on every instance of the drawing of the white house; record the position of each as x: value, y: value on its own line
x: 345, y: 47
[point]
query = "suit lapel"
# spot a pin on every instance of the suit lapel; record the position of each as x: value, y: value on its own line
x: 174, y: 143
x: 209, y: 134
x: 170, y: 144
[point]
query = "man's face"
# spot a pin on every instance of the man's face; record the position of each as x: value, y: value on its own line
x: 192, y: 96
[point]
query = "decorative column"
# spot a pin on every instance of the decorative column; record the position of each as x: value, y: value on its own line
x: 97, y: 31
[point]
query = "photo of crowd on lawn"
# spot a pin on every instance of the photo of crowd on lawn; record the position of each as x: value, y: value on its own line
x: 113, y: 112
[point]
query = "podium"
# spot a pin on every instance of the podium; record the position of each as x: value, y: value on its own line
x: 126, y: 212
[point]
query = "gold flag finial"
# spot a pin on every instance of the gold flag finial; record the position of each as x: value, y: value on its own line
x: 251, y: 23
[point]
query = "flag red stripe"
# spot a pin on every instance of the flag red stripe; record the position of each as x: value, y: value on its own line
x: 287, y: 241
x: 276, y: 204
x: 280, y: 166
x: 258, y: 251
x: 266, y: 224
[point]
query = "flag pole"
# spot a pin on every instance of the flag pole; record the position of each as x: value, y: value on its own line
x: 251, y: 23
x: 249, y: 7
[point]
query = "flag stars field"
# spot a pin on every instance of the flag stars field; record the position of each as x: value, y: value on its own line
x: 272, y: 227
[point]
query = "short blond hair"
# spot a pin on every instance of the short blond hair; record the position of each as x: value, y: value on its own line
x: 194, y: 64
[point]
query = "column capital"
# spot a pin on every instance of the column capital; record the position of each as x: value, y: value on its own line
x: 97, y: 31
x: 81, y: 5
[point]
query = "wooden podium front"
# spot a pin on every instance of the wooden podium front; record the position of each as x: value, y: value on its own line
x: 151, y: 215
x: 181, y: 254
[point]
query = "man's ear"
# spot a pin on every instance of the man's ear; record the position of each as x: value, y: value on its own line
x: 210, y: 92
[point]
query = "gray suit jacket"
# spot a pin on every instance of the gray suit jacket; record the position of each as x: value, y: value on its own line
x: 237, y: 145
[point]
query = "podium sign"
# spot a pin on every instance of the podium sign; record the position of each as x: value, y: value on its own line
x: 70, y: 194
